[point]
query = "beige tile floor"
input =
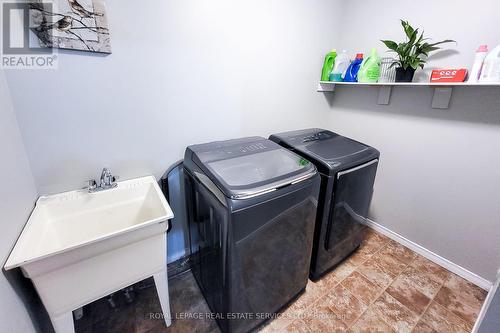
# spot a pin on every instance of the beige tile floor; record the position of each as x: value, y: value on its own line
x: 384, y: 287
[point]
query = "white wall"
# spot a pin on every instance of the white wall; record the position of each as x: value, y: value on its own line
x: 17, y: 197
x: 439, y: 176
x: 181, y: 72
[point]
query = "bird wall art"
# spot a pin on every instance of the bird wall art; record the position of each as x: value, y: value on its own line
x: 71, y: 24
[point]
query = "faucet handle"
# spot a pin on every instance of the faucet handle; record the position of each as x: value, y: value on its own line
x: 107, y: 181
x: 105, y: 173
x: 92, y: 185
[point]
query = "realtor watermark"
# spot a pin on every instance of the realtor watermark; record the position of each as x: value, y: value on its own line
x: 21, y: 48
x: 318, y: 315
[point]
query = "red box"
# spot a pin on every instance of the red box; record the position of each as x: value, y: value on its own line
x: 448, y: 75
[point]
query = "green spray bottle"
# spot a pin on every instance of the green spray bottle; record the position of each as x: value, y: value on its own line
x: 328, y: 64
x: 369, y: 71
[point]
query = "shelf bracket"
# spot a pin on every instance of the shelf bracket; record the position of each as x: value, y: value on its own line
x: 384, y: 95
x: 442, y: 97
x: 440, y: 100
x: 326, y: 87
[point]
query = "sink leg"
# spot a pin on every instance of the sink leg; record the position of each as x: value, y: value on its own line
x: 161, y: 282
x: 63, y: 323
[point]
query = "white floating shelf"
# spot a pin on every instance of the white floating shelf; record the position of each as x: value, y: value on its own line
x: 440, y: 100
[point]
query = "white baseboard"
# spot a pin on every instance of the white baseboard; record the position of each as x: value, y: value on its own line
x: 452, y: 267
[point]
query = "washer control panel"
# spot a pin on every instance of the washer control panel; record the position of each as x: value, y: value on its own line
x: 253, y: 147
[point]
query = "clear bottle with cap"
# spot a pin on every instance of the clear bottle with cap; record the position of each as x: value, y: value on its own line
x: 342, y: 61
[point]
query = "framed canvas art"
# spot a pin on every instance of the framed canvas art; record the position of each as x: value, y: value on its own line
x: 71, y: 24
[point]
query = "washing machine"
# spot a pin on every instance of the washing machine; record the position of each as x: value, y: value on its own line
x: 347, y: 168
x: 251, y: 208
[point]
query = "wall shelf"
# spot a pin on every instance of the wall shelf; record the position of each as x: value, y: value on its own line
x: 440, y: 100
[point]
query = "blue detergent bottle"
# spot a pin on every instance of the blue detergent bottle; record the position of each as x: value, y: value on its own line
x: 351, y: 74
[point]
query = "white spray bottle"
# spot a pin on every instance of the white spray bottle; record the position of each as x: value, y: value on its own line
x: 491, y: 66
x: 475, y: 72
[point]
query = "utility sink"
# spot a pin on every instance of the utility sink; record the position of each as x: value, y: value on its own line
x: 79, y: 246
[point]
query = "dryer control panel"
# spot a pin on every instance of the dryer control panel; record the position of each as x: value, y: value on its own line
x: 317, y: 136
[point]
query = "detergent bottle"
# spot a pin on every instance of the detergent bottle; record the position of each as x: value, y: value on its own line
x: 341, y: 64
x: 369, y: 72
x: 351, y: 74
x: 328, y: 65
x: 491, y: 66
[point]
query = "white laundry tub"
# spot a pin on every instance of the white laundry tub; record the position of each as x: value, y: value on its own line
x: 78, y: 246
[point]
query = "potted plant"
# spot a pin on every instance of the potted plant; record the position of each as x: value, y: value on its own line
x: 412, y: 53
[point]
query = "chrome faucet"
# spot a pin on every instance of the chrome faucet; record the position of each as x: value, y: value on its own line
x: 106, y: 182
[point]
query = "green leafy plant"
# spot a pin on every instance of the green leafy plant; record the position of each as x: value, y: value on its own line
x: 413, y: 52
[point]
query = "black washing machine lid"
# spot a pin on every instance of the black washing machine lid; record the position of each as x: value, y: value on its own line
x: 326, y: 148
x: 248, y: 167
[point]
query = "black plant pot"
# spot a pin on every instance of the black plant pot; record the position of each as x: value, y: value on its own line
x: 404, y: 75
